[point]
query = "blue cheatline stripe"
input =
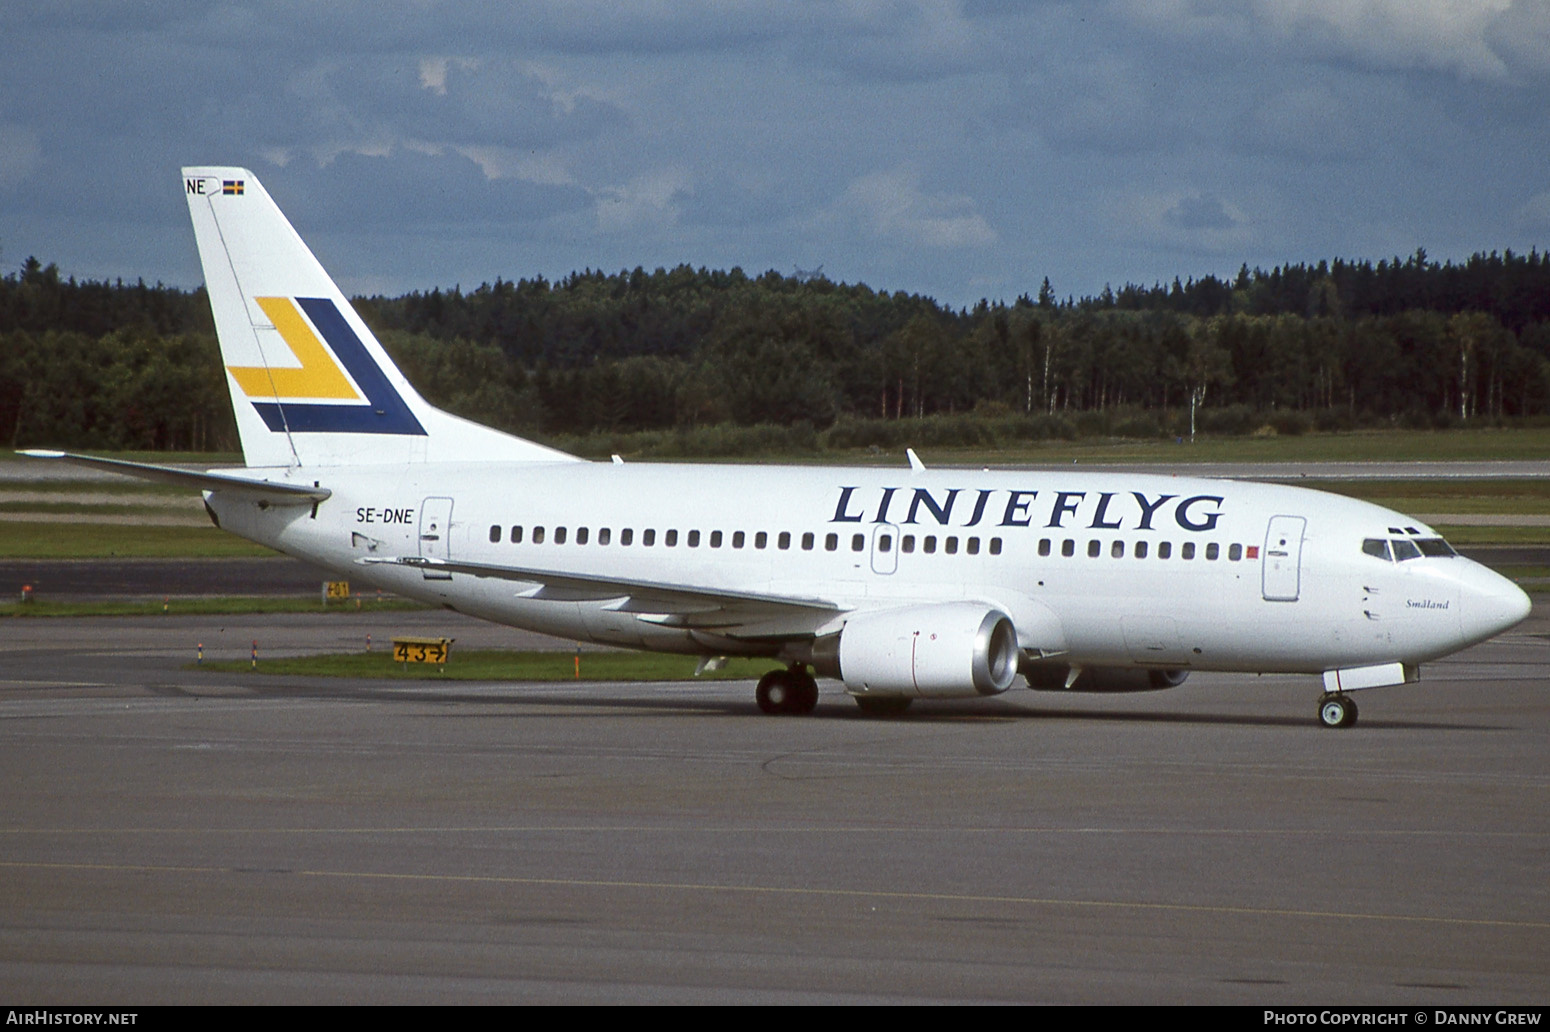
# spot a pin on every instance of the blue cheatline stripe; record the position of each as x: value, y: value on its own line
x: 386, y: 413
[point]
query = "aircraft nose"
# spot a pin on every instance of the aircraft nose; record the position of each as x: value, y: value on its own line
x: 1491, y: 604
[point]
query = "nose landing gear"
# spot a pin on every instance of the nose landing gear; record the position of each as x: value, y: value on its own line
x: 791, y: 691
x: 1336, y: 710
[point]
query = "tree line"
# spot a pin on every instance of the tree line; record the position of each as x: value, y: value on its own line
x: 689, y: 351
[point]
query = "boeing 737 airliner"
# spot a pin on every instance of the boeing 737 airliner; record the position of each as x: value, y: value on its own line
x: 901, y: 583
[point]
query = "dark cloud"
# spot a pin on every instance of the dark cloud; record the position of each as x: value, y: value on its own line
x: 1090, y: 140
x: 414, y: 192
x: 734, y: 205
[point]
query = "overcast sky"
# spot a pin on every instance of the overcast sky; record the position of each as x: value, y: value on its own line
x: 958, y: 149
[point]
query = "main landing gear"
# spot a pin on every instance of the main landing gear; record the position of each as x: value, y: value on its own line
x: 790, y: 691
x: 1336, y: 710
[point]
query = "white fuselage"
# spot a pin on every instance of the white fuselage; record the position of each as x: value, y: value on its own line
x: 1162, y: 572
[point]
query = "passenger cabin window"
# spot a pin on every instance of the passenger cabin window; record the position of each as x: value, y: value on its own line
x: 1044, y: 546
x: 858, y: 542
x: 559, y: 535
x: 950, y: 546
x: 1213, y: 550
x: 694, y: 539
x: 648, y: 538
x: 670, y: 539
x: 516, y: 535
x: 1117, y: 550
x: 538, y: 535
x: 604, y: 535
x: 1094, y: 549
x: 1234, y: 552
x: 626, y: 536
x: 1164, y: 549
x: 784, y: 541
x: 1187, y: 550
x: 1068, y: 548
x: 807, y: 542
x: 495, y: 534
x: 831, y: 542
x: 884, y: 543
x: 972, y: 546
x: 1140, y: 549
x: 995, y: 546
x: 581, y: 535
x: 928, y: 544
x: 907, y: 543
x: 761, y: 539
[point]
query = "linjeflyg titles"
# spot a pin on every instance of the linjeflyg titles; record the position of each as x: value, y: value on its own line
x: 1001, y: 507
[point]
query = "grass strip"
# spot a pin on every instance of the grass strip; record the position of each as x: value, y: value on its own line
x: 496, y: 665
x: 63, y: 540
x: 221, y: 606
x: 183, y: 508
x: 1465, y: 536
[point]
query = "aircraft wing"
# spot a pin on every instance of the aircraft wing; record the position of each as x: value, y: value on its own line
x: 741, y: 613
x: 273, y: 492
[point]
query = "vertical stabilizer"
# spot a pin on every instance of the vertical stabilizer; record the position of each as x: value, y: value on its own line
x: 310, y: 384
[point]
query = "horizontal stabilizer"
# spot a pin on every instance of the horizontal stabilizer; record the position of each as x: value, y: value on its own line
x: 273, y: 492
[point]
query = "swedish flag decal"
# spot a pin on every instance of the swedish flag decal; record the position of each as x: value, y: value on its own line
x: 232, y: 186
x: 318, y: 397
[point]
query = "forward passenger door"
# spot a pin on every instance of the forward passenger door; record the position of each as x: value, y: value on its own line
x: 1281, y: 580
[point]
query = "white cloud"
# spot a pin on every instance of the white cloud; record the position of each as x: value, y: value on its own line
x: 278, y: 156
x: 20, y: 154
x: 1462, y: 37
x: 433, y: 71
x: 1445, y: 35
x: 893, y: 206
x: 1522, y: 35
x: 549, y: 168
x: 645, y: 202
x: 1535, y: 212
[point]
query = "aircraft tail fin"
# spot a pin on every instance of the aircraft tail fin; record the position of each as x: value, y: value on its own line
x: 309, y: 382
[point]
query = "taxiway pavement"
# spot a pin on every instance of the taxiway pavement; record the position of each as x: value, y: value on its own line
x: 171, y: 835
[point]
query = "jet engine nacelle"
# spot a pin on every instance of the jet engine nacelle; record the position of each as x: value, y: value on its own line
x: 944, y: 650
x: 1051, y: 677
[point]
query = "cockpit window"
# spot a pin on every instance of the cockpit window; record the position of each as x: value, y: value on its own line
x: 1405, y: 549
x: 1434, y: 547
x: 1376, y: 547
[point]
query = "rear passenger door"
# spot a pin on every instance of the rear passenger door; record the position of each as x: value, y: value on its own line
x: 435, y: 532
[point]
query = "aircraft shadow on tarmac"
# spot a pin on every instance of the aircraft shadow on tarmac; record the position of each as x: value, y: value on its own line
x: 830, y: 707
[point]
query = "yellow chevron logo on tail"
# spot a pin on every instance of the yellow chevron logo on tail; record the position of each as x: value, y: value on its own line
x: 319, y: 376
